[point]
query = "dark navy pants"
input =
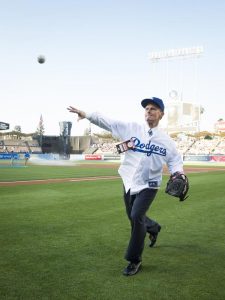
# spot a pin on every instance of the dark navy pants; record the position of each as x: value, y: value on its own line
x: 136, y: 208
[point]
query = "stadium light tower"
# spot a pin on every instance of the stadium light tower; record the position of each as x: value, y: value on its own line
x: 178, y: 53
x: 180, y: 114
x: 175, y: 53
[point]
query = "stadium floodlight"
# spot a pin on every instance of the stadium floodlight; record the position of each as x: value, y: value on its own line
x: 179, y: 52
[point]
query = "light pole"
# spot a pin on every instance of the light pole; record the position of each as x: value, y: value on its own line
x: 178, y: 53
x: 175, y: 100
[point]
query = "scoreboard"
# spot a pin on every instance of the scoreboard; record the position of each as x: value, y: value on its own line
x: 4, y: 126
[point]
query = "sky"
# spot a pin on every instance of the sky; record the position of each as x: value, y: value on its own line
x: 97, y: 59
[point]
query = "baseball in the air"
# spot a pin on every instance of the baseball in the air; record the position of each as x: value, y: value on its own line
x: 41, y: 59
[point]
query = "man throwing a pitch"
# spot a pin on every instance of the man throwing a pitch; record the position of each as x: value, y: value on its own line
x: 147, y: 149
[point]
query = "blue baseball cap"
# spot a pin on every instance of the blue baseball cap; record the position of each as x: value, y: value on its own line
x: 158, y: 102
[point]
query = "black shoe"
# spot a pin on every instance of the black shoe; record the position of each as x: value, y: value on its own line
x: 132, y: 269
x: 153, y: 237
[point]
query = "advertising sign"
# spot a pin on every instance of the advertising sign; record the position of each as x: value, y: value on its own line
x: 218, y: 158
x: 93, y: 157
x: 9, y: 155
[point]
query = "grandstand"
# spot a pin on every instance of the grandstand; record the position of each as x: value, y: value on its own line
x: 220, y: 148
x: 19, y: 146
x: 203, y: 147
x: 189, y: 146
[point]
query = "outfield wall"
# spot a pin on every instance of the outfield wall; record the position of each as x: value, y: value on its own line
x: 205, y: 158
x: 103, y: 157
x: 200, y: 158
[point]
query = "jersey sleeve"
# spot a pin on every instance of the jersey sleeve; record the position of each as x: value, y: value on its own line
x: 118, y: 129
x: 174, y: 162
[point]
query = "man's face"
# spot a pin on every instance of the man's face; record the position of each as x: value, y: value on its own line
x: 153, y: 114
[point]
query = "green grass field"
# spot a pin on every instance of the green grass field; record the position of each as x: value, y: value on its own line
x: 67, y: 240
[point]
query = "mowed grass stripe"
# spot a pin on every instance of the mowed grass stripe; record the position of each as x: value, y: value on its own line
x: 54, y: 172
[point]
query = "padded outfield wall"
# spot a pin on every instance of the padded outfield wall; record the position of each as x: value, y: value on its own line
x: 205, y: 158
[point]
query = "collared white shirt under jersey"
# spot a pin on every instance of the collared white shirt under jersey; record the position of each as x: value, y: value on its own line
x: 142, y: 167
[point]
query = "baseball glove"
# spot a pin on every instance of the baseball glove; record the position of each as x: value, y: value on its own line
x: 178, y: 186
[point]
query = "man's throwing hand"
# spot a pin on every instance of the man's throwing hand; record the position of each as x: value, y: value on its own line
x: 81, y: 114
